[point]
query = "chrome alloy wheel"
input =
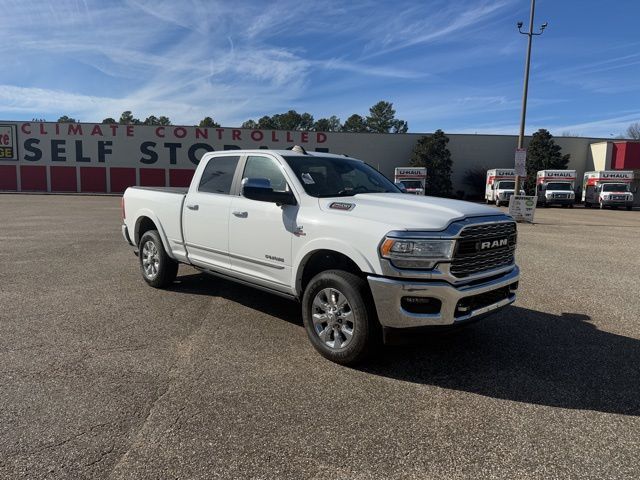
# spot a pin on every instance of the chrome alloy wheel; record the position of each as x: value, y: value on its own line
x: 150, y: 259
x: 332, y: 318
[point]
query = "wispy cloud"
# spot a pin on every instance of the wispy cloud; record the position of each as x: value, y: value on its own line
x: 450, y: 64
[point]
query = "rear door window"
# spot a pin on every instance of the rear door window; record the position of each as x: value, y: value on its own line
x: 217, y: 176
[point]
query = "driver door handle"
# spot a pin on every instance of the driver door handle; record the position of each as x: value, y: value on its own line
x: 241, y: 214
x: 192, y: 207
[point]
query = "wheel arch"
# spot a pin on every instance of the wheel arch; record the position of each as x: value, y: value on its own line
x: 146, y: 221
x: 322, y: 259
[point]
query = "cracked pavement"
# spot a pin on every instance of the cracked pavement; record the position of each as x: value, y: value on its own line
x: 104, y: 377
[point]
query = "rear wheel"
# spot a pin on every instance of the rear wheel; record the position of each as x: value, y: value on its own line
x: 339, y: 318
x: 158, y: 269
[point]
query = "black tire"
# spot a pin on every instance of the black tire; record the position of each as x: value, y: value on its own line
x: 497, y: 203
x: 571, y: 205
x: 629, y: 207
x: 601, y: 206
x: 366, y: 331
x: 166, y: 268
x: 587, y: 205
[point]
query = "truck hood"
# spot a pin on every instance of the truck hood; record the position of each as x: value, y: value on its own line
x: 406, y: 212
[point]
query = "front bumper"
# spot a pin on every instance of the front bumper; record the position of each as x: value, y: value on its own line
x: 388, y: 294
x: 559, y: 201
x: 617, y: 203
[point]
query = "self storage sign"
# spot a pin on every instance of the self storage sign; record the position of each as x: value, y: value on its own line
x: 107, y: 158
x: 8, y: 142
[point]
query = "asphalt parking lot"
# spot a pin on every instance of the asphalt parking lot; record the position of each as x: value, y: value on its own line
x: 104, y: 377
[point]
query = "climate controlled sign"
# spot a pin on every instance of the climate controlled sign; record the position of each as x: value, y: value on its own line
x: 84, y: 157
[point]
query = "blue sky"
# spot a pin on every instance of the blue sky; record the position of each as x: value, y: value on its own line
x: 455, y: 65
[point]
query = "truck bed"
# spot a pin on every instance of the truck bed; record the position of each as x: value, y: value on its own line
x: 163, y: 206
x: 177, y: 190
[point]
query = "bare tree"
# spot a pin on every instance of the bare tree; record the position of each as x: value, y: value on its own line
x: 633, y: 131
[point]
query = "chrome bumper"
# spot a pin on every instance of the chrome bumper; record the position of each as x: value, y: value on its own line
x: 388, y: 293
x: 617, y: 203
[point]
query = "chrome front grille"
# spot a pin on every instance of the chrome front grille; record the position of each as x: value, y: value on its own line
x: 484, y: 247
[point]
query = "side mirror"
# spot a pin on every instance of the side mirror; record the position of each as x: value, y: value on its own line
x: 260, y: 189
x: 401, y: 186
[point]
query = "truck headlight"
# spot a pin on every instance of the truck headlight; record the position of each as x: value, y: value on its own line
x: 414, y: 253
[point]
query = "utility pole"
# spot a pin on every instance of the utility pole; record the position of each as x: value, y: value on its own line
x: 525, y: 89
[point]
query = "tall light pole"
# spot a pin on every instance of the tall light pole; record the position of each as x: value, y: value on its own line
x: 525, y: 89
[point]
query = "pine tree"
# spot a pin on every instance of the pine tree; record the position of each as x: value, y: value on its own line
x: 432, y: 152
x: 543, y: 154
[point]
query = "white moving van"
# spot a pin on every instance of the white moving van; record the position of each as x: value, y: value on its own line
x: 556, y: 187
x: 500, y: 186
x: 608, y: 188
x: 413, y: 179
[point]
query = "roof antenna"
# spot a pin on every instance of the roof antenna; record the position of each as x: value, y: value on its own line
x: 298, y: 149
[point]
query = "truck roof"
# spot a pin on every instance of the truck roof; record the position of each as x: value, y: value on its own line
x: 286, y: 153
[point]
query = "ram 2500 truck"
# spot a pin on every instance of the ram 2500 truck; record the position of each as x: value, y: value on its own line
x: 335, y: 234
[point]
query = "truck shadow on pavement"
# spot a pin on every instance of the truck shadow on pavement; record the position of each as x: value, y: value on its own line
x: 526, y: 356
x: 518, y: 354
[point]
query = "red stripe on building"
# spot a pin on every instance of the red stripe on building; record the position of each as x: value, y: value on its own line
x: 152, y: 177
x: 180, y: 177
x: 8, y: 177
x: 63, y: 179
x: 93, y: 179
x: 33, y: 178
x: 121, y: 178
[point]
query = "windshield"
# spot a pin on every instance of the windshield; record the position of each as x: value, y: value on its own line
x: 338, y: 177
x: 559, y: 186
x: 506, y: 185
x: 615, y: 187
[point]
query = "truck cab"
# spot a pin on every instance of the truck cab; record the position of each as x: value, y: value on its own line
x: 608, y: 188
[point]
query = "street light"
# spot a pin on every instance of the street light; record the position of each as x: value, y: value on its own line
x: 530, y: 34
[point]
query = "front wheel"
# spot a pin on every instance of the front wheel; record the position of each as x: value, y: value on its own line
x: 497, y: 203
x: 158, y: 269
x: 339, y: 318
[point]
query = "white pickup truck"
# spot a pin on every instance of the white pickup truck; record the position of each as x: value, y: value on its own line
x: 332, y: 232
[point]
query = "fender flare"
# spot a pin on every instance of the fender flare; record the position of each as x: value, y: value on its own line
x: 145, y: 212
x: 338, y: 246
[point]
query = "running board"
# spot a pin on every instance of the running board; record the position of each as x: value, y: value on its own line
x: 245, y: 283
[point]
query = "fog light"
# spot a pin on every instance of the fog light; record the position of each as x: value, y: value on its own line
x: 424, y: 305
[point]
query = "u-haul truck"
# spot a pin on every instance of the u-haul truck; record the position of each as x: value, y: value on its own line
x: 608, y: 188
x: 556, y: 187
x: 501, y: 184
x: 413, y: 179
